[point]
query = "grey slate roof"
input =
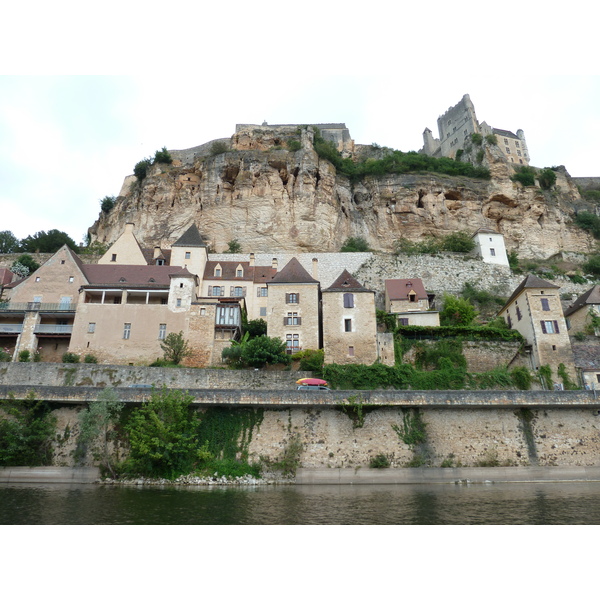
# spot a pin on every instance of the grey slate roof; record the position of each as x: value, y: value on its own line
x: 586, y: 356
x: 592, y: 296
x: 505, y: 133
x: 191, y: 238
x: 293, y: 272
x: 531, y: 281
x: 346, y: 283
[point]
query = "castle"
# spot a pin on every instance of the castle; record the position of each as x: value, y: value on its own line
x: 459, y: 123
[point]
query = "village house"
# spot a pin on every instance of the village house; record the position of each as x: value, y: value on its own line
x: 581, y: 314
x: 408, y: 300
x: 534, y: 309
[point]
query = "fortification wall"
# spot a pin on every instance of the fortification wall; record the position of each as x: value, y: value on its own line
x: 587, y: 183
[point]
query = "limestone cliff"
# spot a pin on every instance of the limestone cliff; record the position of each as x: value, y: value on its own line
x: 270, y: 198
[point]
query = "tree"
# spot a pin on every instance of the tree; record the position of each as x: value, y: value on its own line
x: 234, y: 247
x: 457, y: 311
x: 459, y: 241
x: 256, y: 328
x: 107, y: 204
x: 141, y: 168
x: 264, y: 350
x: 24, y: 265
x: 163, y: 435
x: 547, y: 178
x: 525, y: 176
x: 8, y: 242
x: 218, y: 148
x: 355, y: 244
x: 50, y: 241
x: 175, y: 348
x: 97, y: 429
x: 163, y: 156
x: 592, y: 266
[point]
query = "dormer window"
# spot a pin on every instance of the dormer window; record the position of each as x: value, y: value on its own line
x: 122, y: 280
x: 160, y: 262
x: 412, y: 297
x: 151, y: 280
x: 218, y: 271
x: 188, y: 255
x: 239, y: 272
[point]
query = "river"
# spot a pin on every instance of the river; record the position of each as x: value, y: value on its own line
x: 416, y: 504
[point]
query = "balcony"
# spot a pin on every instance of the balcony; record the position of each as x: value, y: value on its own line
x: 38, y: 306
x: 53, y: 329
x: 13, y: 328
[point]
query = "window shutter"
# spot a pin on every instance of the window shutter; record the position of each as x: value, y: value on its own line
x: 285, y: 321
x: 210, y: 290
x: 298, y: 297
x: 244, y: 291
x: 299, y: 320
x: 556, y: 326
x: 287, y: 298
x: 543, y: 326
x: 258, y: 292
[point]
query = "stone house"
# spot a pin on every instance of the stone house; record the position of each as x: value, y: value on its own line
x: 489, y: 244
x: 408, y: 300
x: 579, y: 315
x: 349, y: 322
x: 534, y: 309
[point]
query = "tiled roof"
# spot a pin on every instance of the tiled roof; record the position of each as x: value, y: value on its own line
x: 592, y: 296
x: 263, y: 274
x: 149, y: 256
x: 228, y: 270
x: 586, y: 356
x: 398, y: 289
x: 346, y: 283
x: 130, y: 275
x: 505, y: 133
x: 191, y: 238
x: 293, y: 272
x: 531, y: 281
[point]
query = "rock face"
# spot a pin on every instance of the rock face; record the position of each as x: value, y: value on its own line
x: 271, y: 198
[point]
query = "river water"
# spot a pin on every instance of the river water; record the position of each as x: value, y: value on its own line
x: 418, y: 504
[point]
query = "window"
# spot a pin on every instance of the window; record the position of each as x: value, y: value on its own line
x: 347, y: 324
x: 412, y: 297
x: 292, y: 319
x: 506, y: 141
x: 216, y: 290
x: 518, y: 153
x: 492, y: 252
x: 126, y: 331
x: 37, y: 279
x: 518, y: 314
x: 188, y: 255
x: 549, y: 326
x: 238, y: 291
x: 162, y: 331
x: 262, y: 292
x: 239, y: 273
x: 403, y: 321
x: 160, y: 262
x: 292, y: 343
x: 509, y: 321
x: 292, y: 298
x: 348, y: 300
x: 217, y: 272
x: 350, y: 350
x: 202, y: 312
x: 263, y: 311
x: 71, y: 279
x: 517, y: 144
x: 113, y: 258
x: 545, y: 303
x: 178, y: 303
x: 91, y: 327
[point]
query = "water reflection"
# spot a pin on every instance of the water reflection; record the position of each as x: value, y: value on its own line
x: 547, y: 503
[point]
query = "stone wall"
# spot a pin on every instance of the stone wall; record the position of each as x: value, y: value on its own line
x: 587, y: 183
x: 465, y: 437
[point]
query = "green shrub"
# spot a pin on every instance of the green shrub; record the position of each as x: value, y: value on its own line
x: 525, y: 176
x: 522, y: 378
x: 233, y: 247
x: 70, y: 357
x: 355, y: 244
x: 457, y: 311
x: 381, y: 461
x: 5, y: 355
x: 107, y: 204
x: 312, y: 360
x: 580, y: 336
x: 90, y: 359
x: 547, y: 178
x: 218, y: 148
x: 141, y: 168
x: 459, y: 241
x: 480, y: 156
x: 163, y: 156
x: 294, y: 145
x: 256, y: 328
x: 24, y: 356
x: 477, y: 139
x: 589, y: 222
x: 592, y: 266
x: 491, y: 139
x: 175, y: 348
x: 545, y: 373
x: 264, y: 350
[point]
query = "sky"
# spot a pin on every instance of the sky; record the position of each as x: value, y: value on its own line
x: 88, y: 90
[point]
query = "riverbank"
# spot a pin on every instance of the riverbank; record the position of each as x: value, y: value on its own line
x: 317, y: 476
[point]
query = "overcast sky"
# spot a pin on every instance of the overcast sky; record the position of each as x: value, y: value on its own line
x: 90, y: 90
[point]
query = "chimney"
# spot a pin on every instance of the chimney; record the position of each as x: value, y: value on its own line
x: 274, y: 264
x: 315, y: 268
x: 129, y: 227
x: 251, y: 259
x: 156, y: 252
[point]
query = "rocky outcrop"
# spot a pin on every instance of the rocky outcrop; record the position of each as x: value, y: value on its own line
x: 271, y: 198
